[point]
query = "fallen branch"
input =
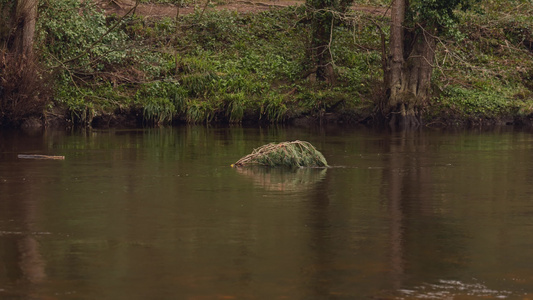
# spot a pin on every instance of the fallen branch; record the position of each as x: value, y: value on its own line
x: 39, y: 156
x: 287, y: 154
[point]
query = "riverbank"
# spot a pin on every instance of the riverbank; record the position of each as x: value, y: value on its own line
x: 207, y: 65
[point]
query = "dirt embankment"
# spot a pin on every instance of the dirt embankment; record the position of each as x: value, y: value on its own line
x: 156, y: 10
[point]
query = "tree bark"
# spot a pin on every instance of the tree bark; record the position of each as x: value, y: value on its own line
x: 409, y: 69
x: 322, y: 54
x: 321, y: 24
x: 396, y: 59
x: 23, y: 28
x: 22, y: 89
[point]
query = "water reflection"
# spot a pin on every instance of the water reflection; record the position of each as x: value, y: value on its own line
x: 418, y: 231
x: 453, y: 289
x: 322, y: 283
x: 283, y: 179
x: 159, y: 214
x: 20, y: 253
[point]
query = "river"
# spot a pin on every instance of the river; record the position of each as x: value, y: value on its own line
x: 160, y: 214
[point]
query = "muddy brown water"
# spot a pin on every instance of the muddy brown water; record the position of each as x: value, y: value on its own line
x: 160, y: 214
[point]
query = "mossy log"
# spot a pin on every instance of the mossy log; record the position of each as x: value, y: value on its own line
x: 287, y: 154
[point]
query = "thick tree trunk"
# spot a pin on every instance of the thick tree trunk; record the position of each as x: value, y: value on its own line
x: 27, y: 13
x: 409, y: 69
x: 22, y: 29
x: 394, y: 72
x: 22, y: 90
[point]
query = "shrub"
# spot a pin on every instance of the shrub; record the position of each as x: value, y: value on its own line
x: 24, y: 89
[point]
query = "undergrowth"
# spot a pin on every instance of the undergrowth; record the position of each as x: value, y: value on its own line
x: 484, y: 73
x: 221, y: 66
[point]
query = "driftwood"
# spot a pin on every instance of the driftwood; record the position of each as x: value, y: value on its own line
x: 39, y: 156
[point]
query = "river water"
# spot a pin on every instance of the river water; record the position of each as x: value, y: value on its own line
x: 160, y: 214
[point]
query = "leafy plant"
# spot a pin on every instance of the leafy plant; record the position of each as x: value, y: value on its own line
x: 235, y: 106
x: 161, y: 101
x: 82, y: 38
x: 158, y: 111
x: 477, y: 103
x: 273, y: 108
x: 201, y: 111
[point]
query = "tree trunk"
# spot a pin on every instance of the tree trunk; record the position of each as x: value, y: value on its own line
x: 321, y: 24
x: 322, y: 56
x: 23, y: 29
x: 409, y: 69
x: 22, y: 89
x: 393, y: 76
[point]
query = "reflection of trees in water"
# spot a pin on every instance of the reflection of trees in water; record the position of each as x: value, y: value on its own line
x: 19, y: 246
x: 21, y: 261
x: 320, y: 239
x: 282, y: 179
x: 310, y: 181
x: 422, y: 242
x: 20, y: 249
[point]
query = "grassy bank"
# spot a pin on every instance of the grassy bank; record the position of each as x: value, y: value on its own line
x: 220, y: 66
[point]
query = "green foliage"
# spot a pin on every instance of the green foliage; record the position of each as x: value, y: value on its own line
x: 235, y: 106
x: 475, y: 104
x: 229, y: 67
x: 216, y: 30
x: 80, y: 110
x: 436, y: 14
x: 201, y: 111
x: 486, y: 73
x: 84, y: 103
x: 158, y: 110
x: 336, y: 5
x: 199, y: 63
x: 200, y: 85
x: 273, y: 108
x: 206, y: 78
x: 161, y: 101
x: 271, y: 65
x: 76, y: 30
x: 321, y: 101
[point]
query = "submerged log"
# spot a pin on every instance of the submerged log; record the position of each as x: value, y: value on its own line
x: 39, y: 156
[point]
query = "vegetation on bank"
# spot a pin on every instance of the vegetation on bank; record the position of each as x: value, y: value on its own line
x: 220, y: 66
